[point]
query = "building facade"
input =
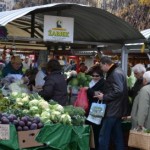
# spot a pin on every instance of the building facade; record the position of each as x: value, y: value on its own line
x: 6, y: 5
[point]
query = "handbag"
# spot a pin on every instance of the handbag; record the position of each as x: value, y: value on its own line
x: 97, y: 112
x: 82, y: 100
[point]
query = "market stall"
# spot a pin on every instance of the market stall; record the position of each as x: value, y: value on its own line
x: 27, y: 120
x: 91, y: 27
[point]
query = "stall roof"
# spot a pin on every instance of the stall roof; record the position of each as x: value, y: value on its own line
x: 90, y: 24
x: 146, y: 33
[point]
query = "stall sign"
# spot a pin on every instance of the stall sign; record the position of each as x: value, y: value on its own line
x: 4, y: 132
x: 58, y: 29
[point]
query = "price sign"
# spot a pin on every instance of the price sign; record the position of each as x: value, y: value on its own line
x: 4, y: 132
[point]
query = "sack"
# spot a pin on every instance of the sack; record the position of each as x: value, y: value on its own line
x: 139, y: 140
x: 82, y: 100
x: 97, y: 111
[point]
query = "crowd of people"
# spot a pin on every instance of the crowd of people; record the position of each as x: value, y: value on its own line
x: 124, y: 95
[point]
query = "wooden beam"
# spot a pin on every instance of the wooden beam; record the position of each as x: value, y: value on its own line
x: 27, y: 47
x: 32, y: 24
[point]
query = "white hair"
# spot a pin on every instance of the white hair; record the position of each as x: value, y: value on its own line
x: 146, y: 76
x: 139, y: 68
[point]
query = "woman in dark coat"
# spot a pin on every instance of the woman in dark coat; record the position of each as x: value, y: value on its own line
x: 96, y: 85
x: 55, y: 86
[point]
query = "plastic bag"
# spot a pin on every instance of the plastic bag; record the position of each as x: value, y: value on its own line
x: 82, y: 100
x: 97, y: 111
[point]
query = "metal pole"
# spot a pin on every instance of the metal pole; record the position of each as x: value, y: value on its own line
x: 124, y: 59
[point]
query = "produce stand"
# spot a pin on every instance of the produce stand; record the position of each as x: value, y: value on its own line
x: 54, y: 137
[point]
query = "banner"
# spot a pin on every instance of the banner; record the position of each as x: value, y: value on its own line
x: 58, y: 29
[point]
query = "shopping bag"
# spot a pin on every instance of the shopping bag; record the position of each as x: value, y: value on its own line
x: 82, y: 100
x: 97, y: 111
x: 139, y: 139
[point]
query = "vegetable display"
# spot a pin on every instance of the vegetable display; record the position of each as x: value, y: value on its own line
x: 32, y: 112
x: 80, y: 80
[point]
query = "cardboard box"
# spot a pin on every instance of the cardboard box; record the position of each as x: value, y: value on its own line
x: 26, y: 139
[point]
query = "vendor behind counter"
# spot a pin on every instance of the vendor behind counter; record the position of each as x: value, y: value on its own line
x: 13, y: 67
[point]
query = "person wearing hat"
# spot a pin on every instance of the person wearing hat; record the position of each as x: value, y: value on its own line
x: 13, y: 67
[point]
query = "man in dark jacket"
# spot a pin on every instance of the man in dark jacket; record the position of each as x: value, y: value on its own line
x: 116, y: 98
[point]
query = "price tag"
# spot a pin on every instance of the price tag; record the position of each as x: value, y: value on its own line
x: 4, y: 132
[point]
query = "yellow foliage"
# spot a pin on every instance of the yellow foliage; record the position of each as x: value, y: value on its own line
x: 144, y: 2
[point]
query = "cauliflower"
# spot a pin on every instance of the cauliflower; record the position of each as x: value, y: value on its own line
x: 33, y: 102
x: 57, y: 107
x: 43, y: 104
x: 65, y: 119
x: 55, y: 116
x: 34, y: 110
x: 25, y: 99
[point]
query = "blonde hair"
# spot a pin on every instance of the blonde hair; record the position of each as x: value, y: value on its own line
x: 16, y: 59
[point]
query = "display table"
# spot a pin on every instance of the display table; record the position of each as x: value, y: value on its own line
x: 55, y: 137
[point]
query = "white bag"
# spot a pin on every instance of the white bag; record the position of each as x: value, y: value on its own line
x: 96, y: 113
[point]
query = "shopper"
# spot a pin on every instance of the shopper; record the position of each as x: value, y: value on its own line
x: 141, y: 106
x: 82, y: 67
x: 41, y: 74
x: 96, y: 85
x: 13, y: 67
x: 116, y: 98
x: 138, y: 71
x: 55, y: 86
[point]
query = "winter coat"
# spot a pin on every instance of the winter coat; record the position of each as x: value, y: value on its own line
x: 136, y: 88
x: 140, y: 113
x: 55, y: 88
x: 116, y: 93
x: 8, y: 69
x: 97, y: 87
